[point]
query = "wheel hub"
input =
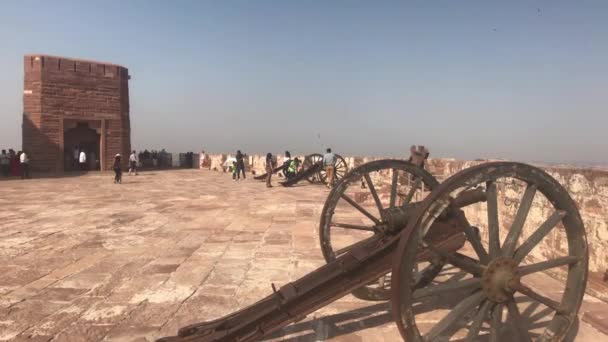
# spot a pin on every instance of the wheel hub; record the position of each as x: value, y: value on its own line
x: 499, y: 279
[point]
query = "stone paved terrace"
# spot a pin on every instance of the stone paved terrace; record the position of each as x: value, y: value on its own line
x: 82, y: 259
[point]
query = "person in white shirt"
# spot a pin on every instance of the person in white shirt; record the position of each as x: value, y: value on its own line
x: 133, y: 163
x: 82, y: 159
x: 25, y: 165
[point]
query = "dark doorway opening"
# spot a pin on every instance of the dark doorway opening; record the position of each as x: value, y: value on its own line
x: 77, y: 139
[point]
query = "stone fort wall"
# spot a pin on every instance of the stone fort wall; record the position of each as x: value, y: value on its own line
x: 588, y: 187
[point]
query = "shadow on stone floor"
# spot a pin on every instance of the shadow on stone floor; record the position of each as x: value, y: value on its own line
x: 535, y: 316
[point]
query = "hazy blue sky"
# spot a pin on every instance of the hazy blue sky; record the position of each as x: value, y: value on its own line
x: 525, y: 80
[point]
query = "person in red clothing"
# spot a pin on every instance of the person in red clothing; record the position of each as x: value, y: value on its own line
x: 14, y: 163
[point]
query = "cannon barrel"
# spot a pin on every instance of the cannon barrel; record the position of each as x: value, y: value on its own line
x: 293, y: 301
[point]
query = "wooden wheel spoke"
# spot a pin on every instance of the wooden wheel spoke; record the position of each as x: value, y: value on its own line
x: 493, y: 227
x: 360, y: 208
x: 523, y: 289
x: 473, y: 238
x: 472, y: 283
x: 517, y: 322
x: 372, y: 189
x: 496, y: 323
x: 410, y: 194
x: 455, y: 315
x: 394, y: 180
x: 461, y: 261
x: 519, y: 220
x: 353, y: 226
x: 538, y: 235
x: 382, y: 283
x: 425, y: 276
x: 545, y: 265
x: 478, y: 320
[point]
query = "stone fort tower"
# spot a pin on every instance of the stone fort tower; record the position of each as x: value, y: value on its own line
x: 73, y: 104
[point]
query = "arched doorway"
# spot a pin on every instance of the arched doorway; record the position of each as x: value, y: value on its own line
x: 78, y: 136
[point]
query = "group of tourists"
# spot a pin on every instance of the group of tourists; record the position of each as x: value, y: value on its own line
x: 237, y: 166
x: 117, y: 166
x: 83, y: 161
x: 14, y: 164
x: 291, y: 166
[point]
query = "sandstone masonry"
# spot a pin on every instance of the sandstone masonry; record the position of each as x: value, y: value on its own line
x: 62, y: 93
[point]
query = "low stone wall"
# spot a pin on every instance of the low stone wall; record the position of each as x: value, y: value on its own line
x: 588, y: 187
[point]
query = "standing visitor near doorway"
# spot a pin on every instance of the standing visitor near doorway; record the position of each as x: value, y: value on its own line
x: 133, y: 163
x: 25, y: 165
x: 4, y: 163
x: 329, y: 163
x: 82, y: 159
x: 76, y: 155
x: 13, y: 163
x: 93, y: 161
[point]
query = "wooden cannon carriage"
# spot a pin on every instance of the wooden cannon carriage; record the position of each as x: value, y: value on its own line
x: 312, y: 170
x: 408, y: 239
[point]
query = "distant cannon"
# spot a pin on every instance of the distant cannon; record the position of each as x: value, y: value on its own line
x: 312, y: 170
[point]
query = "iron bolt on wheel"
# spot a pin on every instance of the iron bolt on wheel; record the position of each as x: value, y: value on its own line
x: 353, y: 216
x: 488, y: 295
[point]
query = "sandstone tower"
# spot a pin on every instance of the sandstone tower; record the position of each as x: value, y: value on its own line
x: 70, y: 103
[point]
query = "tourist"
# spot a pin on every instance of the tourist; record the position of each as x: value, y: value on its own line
x: 18, y: 169
x: 93, y: 161
x: 76, y: 156
x: 286, y: 162
x: 329, y: 163
x: 82, y: 159
x: 133, y: 163
x: 117, y: 170
x: 13, y: 163
x: 25, y: 165
x: 240, y: 165
x: 234, y: 169
x: 155, y: 163
x: 4, y: 163
x: 292, y: 169
x: 201, y: 160
x: 269, y: 167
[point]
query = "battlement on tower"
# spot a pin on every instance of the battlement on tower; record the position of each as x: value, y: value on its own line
x: 45, y: 64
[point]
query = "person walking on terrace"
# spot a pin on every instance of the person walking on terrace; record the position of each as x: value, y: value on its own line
x: 133, y: 163
x: 117, y: 170
x: 329, y: 163
x: 240, y: 165
x: 269, y: 168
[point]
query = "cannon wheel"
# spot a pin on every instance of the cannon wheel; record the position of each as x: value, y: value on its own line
x: 405, y: 186
x: 309, y: 161
x: 321, y: 177
x: 493, y: 272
